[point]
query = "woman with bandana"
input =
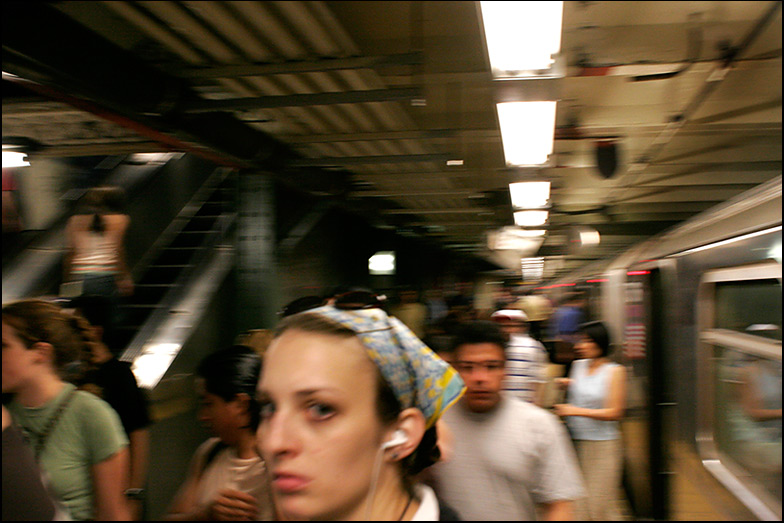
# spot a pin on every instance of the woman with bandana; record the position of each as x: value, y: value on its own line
x: 350, y: 400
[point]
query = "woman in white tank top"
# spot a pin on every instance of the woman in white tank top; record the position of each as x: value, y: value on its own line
x: 596, y: 395
x: 95, y: 237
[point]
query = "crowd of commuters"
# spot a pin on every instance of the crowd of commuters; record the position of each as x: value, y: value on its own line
x: 355, y: 406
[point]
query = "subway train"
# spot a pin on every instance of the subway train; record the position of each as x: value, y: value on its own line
x: 696, y: 316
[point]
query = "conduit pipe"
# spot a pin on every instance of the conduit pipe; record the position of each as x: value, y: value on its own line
x: 711, y: 82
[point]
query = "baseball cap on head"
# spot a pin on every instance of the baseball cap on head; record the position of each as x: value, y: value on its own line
x: 509, y: 315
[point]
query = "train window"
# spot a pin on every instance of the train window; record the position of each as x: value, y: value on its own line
x: 747, y: 414
x: 740, y: 372
x: 753, y: 307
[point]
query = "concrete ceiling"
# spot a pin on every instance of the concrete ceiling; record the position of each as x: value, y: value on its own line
x: 366, y: 101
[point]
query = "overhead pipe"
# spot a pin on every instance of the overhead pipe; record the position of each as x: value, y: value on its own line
x: 694, y: 46
x: 713, y: 80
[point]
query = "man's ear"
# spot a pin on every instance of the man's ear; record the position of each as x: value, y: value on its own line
x: 43, y: 351
x: 411, y: 422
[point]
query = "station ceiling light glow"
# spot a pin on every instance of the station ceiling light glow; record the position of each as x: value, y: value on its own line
x: 530, y: 195
x: 383, y: 262
x: 523, y: 38
x: 14, y: 159
x: 13, y: 156
x: 527, y: 131
x: 530, y: 218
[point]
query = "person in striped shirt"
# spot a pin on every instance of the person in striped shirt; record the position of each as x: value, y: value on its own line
x: 526, y: 358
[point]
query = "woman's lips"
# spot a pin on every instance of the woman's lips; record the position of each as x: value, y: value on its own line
x: 288, y: 483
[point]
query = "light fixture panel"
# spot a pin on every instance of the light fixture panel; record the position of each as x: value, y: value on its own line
x: 530, y: 195
x: 523, y: 38
x: 530, y: 218
x: 527, y: 132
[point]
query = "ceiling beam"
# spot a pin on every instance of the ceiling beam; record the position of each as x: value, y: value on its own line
x: 373, y: 136
x: 454, y: 224
x: 709, y: 184
x: 302, y: 100
x: 585, y: 133
x: 298, y: 66
x: 735, y: 142
x: 100, y: 149
x: 460, y: 210
x: 415, y: 193
x: 632, y: 207
x: 742, y: 111
x: 362, y: 160
x: 636, y: 228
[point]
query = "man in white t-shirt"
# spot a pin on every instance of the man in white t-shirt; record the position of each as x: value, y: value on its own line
x: 526, y: 358
x: 511, y: 459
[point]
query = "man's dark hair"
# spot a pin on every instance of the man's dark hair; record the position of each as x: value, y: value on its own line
x: 231, y: 371
x: 479, y: 331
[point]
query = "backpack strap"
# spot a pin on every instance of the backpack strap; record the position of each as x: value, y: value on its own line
x: 219, y: 446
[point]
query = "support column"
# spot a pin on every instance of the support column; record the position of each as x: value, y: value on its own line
x: 258, y: 292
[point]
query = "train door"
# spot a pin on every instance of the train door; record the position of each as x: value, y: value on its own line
x: 739, y: 371
x: 646, y: 468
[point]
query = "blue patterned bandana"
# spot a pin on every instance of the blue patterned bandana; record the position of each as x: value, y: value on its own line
x: 418, y: 377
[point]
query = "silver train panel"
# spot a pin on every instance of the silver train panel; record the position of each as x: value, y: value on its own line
x: 696, y: 312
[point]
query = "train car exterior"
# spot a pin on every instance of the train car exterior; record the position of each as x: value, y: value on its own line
x: 696, y: 312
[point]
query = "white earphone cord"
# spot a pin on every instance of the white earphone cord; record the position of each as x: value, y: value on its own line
x: 374, y: 482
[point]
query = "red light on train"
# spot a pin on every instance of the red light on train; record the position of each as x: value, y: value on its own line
x: 555, y: 286
x: 595, y: 281
x: 637, y: 273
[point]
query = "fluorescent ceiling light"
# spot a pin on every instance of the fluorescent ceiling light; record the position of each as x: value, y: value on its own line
x: 522, y: 37
x: 14, y: 159
x: 530, y: 218
x: 530, y: 195
x: 527, y: 131
x: 515, y: 239
x: 383, y: 262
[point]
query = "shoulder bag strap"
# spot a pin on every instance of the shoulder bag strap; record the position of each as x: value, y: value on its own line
x: 44, y: 436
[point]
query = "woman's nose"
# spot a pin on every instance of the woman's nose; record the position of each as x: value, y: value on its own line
x: 278, y: 435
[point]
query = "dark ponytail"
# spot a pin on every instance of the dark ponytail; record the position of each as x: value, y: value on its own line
x: 97, y: 224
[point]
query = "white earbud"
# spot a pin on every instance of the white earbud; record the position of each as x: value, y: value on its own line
x: 398, y: 438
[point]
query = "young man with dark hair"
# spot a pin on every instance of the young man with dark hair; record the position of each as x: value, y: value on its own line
x: 512, y: 460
